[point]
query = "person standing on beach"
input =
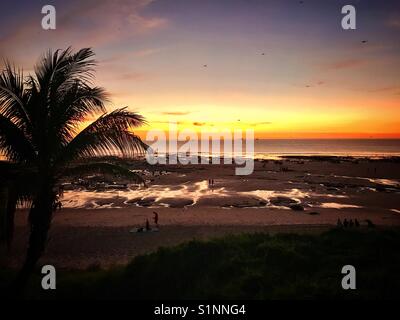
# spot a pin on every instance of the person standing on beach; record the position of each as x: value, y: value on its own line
x: 147, y: 225
x: 155, y: 218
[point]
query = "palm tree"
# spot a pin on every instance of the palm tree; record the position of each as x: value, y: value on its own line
x: 42, y: 139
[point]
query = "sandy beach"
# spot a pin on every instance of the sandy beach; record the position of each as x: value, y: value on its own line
x: 287, y: 195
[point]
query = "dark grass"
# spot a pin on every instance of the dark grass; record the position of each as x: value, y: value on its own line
x: 248, y: 266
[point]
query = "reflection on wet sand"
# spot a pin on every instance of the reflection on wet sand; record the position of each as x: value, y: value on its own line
x: 156, y: 194
x: 198, y: 193
x: 333, y: 205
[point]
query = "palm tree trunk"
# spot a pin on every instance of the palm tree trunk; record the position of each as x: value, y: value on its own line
x: 39, y: 220
x: 3, y: 221
x: 3, y: 212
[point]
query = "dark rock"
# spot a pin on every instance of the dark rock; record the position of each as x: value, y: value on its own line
x: 282, y: 201
x: 176, y: 203
x: 145, y: 202
x: 296, y: 207
x: 332, y: 189
x: 250, y: 203
x: 134, y: 200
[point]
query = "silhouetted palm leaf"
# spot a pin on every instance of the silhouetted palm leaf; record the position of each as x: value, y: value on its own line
x: 106, y: 136
x: 13, y: 142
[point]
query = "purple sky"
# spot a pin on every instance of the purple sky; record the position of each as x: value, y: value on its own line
x: 289, y: 66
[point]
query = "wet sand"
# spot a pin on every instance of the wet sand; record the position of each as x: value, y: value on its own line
x: 93, y: 227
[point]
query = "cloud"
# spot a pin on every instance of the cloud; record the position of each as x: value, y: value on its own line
x: 314, y: 84
x: 385, y: 89
x: 393, y: 22
x: 345, y: 64
x: 90, y: 23
x: 199, y: 124
x: 261, y: 123
x: 134, y: 76
x: 166, y: 122
x: 176, y: 113
x: 145, y: 52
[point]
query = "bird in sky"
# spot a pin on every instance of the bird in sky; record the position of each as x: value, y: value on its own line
x: 364, y: 41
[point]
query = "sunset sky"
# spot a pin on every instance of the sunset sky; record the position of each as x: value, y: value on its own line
x: 285, y: 68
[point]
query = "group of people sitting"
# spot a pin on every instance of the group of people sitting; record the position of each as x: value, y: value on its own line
x: 350, y: 223
x: 147, y: 225
x: 346, y: 223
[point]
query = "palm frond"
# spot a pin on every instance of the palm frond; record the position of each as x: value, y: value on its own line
x: 58, y: 70
x: 13, y: 142
x: 73, y: 108
x: 13, y: 96
x: 108, y: 135
x: 60, y: 96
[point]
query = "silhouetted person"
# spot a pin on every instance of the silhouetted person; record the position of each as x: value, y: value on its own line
x: 356, y: 223
x: 155, y: 218
x: 339, y: 223
x: 345, y: 223
x: 147, y: 225
x: 351, y: 223
x: 370, y: 224
x: 61, y: 191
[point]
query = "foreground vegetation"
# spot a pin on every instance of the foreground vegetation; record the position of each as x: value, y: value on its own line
x: 249, y: 266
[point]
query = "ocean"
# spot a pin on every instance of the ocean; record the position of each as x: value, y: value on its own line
x: 335, y: 147
x: 271, y: 148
